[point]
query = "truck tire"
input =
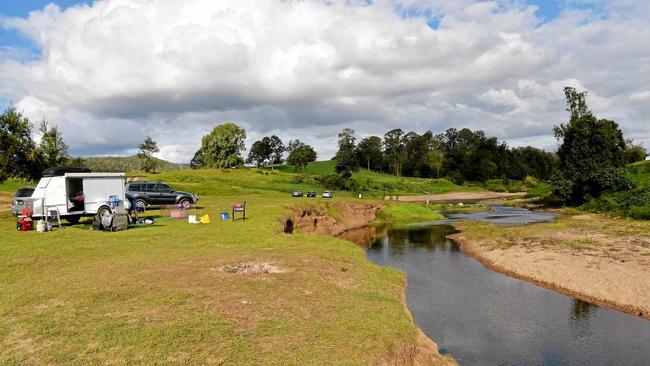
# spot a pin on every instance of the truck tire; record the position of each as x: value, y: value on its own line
x: 185, y: 203
x: 140, y: 204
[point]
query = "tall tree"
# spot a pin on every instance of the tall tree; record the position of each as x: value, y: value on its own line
x: 300, y: 154
x: 53, y: 149
x: 277, y: 150
x: 221, y: 148
x: 591, y: 153
x: 18, y: 155
x: 145, y: 153
x: 370, y: 154
x: 394, y: 149
x: 346, y: 156
x: 260, y: 152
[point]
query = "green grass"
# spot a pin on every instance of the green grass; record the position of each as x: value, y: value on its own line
x: 155, y: 295
x: 396, y: 213
x: 11, y: 185
x: 125, y: 164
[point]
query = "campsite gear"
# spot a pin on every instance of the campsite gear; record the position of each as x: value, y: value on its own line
x: 179, y: 214
x: 225, y: 216
x: 113, y: 202
x: 41, y: 226
x: 48, y: 226
x: 239, y: 208
x: 192, y: 219
x: 115, y: 222
x: 24, y: 224
x: 205, y: 219
x: 53, y: 212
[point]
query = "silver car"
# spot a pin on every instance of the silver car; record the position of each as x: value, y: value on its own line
x: 328, y: 194
x: 18, y: 202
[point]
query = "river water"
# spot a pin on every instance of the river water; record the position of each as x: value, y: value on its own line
x: 481, y: 317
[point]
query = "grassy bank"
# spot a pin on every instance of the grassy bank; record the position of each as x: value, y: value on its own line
x: 396, y: 213
x: 166, y: 293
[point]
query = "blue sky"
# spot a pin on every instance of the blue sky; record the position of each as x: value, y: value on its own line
x: 170, y: 71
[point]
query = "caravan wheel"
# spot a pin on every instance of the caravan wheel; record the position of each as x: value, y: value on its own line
x: 103, y: 211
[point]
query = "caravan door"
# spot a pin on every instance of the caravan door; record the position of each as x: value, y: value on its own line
x: 97, y: 191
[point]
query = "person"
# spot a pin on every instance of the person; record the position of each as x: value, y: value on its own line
x: 132, y: 209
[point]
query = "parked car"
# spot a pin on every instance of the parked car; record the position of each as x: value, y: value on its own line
x: 328, y: 194
x: 297, y: 193
x: 18, y: 202
x: 311, y: 194
x: 146, y: 194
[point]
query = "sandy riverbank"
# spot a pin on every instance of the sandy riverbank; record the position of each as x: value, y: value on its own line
x: 455, y: 196
x: 591, y: 257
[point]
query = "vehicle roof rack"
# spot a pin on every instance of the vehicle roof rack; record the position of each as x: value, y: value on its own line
x: 60, y: 171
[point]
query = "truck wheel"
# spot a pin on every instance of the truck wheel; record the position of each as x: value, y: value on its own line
x: 73, y: 220
x: 185, y: 203
x: 140, y: 204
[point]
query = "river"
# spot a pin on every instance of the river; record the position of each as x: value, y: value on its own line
x: 481, y: 317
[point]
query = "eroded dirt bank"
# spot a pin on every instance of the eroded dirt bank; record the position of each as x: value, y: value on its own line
x: 591, y: 257
x: 335, y: 218
x: 340, y: 217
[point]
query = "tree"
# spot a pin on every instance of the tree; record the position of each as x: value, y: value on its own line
x: 147, y: 161
x: 52, y: 149
x: 260, y: 152
x: 346, y: 156
x: 591, y: 154
x: 18, y: 155
x: 300, y: 154
x: 277, y: 150
x: 633, y: 153
x: 370, y: 154
x: 221, y: 148
x: 394, y: 149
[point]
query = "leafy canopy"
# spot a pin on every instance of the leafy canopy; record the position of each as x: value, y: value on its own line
x: 221, y: 148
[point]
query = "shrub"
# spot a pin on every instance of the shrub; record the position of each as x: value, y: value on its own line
x: 333, y: 181
x: 457, y: 178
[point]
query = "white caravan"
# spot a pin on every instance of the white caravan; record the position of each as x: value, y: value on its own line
x: 74, y: 195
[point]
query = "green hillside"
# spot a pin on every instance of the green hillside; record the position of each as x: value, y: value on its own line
x: 635, y: 202
x: 125, y: 164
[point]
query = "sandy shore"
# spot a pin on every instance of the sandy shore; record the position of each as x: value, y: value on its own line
x: 455, y: 196
x: 590, y: 257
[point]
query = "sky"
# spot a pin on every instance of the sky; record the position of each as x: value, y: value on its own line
x: 109, y: 73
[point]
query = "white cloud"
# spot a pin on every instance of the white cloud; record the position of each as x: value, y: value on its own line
x: 119, y: 70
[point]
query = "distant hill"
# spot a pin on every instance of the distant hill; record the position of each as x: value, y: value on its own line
x: 126, y: 164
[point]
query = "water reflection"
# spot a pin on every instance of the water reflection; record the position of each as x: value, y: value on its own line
x: 484, y: 318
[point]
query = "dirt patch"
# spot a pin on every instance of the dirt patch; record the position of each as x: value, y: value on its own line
x: 5, y: 202
x: 455, y: 196
x: 334, y: 219
x: 252, y: 268
x: 589, y: 257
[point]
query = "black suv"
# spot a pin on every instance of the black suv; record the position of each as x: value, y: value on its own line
x: 155, y: 194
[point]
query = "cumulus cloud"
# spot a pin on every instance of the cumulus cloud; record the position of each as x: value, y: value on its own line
x: 115, y: 71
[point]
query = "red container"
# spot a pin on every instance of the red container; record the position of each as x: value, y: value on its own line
x: 24, y: 224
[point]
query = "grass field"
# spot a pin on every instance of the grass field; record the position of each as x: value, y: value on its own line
x: 159, y: 294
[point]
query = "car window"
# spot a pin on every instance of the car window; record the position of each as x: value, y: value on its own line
x: 149, y: 187
x: 162, y: 187
x: 135, y: 187
x: 24, y: 192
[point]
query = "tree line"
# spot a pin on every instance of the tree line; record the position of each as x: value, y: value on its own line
x: 590, y: 160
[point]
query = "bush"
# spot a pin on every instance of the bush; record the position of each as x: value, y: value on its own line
x: 640, y: 213
x: 530, y: 182
x: 457, y: 178
x: 333, y: 181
